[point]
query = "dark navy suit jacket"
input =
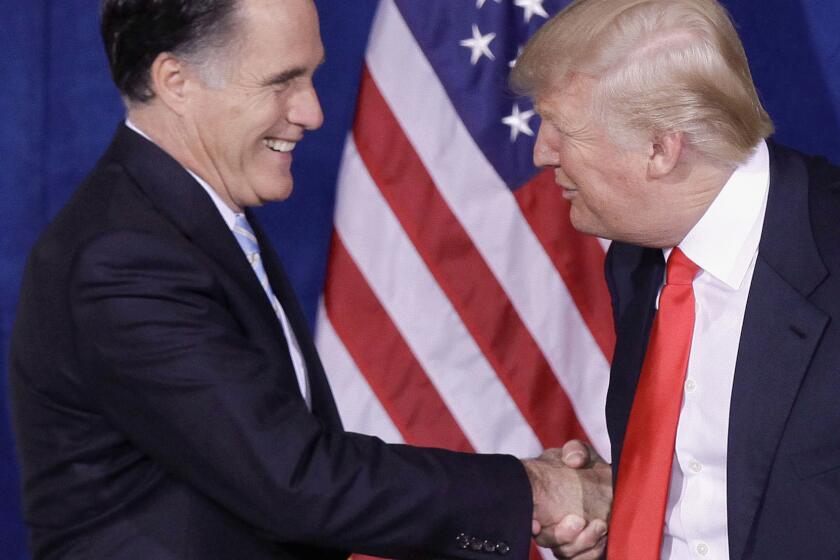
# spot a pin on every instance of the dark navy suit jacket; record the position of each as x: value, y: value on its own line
x: 157, y: 414
x: 783, y: 463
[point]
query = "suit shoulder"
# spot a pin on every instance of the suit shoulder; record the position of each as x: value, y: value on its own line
x: 108, y: 197
x: 824, y: 176
x: 824, y: 210
x: 107, y: 200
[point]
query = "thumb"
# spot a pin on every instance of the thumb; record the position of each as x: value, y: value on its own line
x: 576, y: 454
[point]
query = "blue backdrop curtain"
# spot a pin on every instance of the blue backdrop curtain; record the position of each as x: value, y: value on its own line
x: 58, y: 110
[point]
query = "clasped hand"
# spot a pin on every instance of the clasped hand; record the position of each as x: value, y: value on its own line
x: 572, y: 490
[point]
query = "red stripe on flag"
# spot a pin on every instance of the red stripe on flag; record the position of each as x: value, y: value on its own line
x: 382, y: 355
x: 460, y: 270
x: 578, y: 257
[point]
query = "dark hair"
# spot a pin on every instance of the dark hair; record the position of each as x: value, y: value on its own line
x: 135, y: 32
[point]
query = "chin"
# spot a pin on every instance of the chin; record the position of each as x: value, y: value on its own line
x: 580, y: 223
x: 273, y: 188
x: 278, y: 194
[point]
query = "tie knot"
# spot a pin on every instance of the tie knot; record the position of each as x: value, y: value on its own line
x: 680, y: 269
x: 245, y: 235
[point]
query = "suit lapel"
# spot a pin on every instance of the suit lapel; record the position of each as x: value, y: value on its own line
x: 781, y: 330
x: 323, y: 403
x: 633, y: 330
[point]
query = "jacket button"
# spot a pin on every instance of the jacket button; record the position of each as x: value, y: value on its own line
x: 489, y: 546
x: 476, y: 543
x: 502, y: 548
x: 463, y: 541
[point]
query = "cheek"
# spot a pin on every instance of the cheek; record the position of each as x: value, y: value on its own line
x: 620, y: 205
x: 272, y: 108
x: 255, y: 117
x: 576, y: 162
x: 567, y: 172
x: 599, y: 194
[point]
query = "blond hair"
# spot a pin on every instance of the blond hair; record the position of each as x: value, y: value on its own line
x: 659, y: 65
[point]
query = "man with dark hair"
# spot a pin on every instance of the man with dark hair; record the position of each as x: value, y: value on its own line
x: 168, y: 400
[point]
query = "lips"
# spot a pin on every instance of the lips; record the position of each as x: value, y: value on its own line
x: 568, y: 193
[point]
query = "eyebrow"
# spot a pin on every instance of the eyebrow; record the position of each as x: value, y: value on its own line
x: 288, y: 75
x: 547, y: 115
x: 283, y: 77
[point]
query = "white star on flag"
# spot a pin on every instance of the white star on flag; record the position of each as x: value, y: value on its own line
x: 480, y: 3
x: 532, y: 7
x: 479, y: 44
x: 518, y: 122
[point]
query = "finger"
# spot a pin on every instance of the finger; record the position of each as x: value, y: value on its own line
x: 576, y: 454
x: 596, y: 553
x: 589, y: 539
x: 553, y: 454
x: 563, y: 532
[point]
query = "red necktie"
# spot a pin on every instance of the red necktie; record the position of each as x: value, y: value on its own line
x: 644, y: 474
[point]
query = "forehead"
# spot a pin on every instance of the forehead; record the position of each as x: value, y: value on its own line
x: 282, y: 25
x: 569, y: 100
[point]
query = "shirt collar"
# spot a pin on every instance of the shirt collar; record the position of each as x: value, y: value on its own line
x: 726, y: 238
x: 227, y: 213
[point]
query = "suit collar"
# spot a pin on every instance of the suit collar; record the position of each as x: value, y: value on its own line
x: 228, y: 215
x: 173, y: 191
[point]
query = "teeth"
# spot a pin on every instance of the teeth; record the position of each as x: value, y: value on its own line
x: 279, y: 145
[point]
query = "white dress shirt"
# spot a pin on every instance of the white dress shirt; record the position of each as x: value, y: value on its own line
x: 230, y: 217
x: 724, y: 243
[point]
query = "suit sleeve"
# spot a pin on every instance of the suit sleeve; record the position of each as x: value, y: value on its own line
x: 171, y: 369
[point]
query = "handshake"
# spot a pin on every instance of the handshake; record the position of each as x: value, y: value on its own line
x: 572, y: 490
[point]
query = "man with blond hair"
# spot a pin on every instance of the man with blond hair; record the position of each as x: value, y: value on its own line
x: 722, y: 406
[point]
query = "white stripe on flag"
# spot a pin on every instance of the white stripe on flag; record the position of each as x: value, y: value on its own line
x: 488, y: 211
x: 425, y: 317
x: 358, y: 406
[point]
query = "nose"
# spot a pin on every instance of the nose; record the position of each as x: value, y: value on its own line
x: 542, y: 151
x: 305, y: 109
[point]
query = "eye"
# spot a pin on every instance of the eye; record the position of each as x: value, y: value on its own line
x: 559, y: 129
x: 281, y: 87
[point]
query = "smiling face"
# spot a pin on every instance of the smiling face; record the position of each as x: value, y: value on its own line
x: 606, y: 184
x: 242, y: 132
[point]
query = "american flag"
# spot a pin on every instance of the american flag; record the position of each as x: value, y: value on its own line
x: 461, y: 309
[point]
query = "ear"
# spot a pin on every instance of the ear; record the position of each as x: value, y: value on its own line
x: 169, y: 79
x: 665, y: 151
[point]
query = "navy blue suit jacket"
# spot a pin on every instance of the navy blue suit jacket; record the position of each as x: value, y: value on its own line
x: 783, y: 463
x: 157, y: 414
